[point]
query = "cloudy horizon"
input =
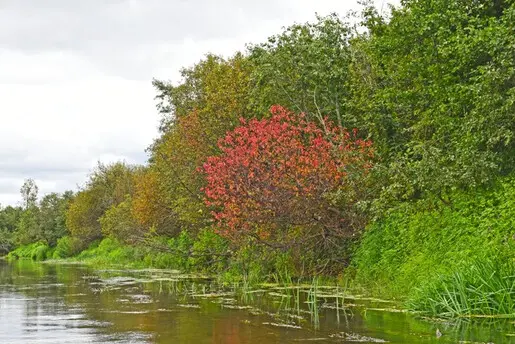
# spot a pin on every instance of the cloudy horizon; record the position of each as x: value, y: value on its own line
x: 75, y: 77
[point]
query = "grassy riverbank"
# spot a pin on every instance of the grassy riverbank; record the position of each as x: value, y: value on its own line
x: 206, y: 253
x: 454, y: 259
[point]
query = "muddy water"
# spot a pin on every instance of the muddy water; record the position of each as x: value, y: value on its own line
x: 46, y: 303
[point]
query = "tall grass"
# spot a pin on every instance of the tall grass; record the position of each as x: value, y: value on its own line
x: 110, y: 252
x: 486, y: 288
x: 313, y: 302
x: 445, y: 258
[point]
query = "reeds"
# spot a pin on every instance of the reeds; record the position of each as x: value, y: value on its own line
x: 485, y: 289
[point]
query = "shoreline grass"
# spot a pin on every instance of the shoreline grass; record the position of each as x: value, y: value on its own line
x: 484, y: 289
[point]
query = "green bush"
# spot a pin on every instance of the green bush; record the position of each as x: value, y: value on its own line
x: 416, y: 244
x: 35, y: 251
x: 253, y: 263
x: 39, y: 252
x: 159, y: 254
x: 111, y: 252
x: 49, y: 254
x: 210, y: 252
x: 66, y: 247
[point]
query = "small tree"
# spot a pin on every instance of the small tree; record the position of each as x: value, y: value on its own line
x: 29, y: 193
x: 52, y: 216
x: 107, y: 187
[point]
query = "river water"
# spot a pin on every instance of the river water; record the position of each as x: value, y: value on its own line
x: 56, y: 303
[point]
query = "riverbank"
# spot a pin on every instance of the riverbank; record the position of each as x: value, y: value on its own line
x: 451, y: 260
x: 438, y: 260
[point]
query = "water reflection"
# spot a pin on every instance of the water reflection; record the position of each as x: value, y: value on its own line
x: 44, y: 303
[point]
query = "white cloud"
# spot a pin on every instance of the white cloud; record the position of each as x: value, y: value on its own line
x: 75, y: 77
x: 56, y: 132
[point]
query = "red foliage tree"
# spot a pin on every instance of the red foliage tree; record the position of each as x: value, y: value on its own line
x: 274, y: 178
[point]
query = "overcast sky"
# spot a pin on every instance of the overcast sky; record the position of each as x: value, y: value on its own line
x: 75, y: 76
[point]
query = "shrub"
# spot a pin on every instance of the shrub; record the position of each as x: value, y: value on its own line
x: 283, y: 179
x: 35, y: 251
x: 209, y: 252
x: 66, y: 247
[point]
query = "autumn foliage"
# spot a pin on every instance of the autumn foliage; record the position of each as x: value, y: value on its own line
x: 274, y: 178
x: 148, y: 204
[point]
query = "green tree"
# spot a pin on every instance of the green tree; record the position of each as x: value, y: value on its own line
x: 29, y: 193
x: 118, y: 222
x: 434, y: 87
x: 9, y: 218
x: 52, y: 216
x: 208, y: 102
x: 305, y: 69
x: 107, y: 187
x: 28, y: 229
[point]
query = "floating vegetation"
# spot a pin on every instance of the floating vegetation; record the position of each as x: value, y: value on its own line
x: 236, y: 307
x: 391, y: 310
x: 119, y: 281
x: 282, y: 325
x: 437, y: 320
x: 140, y: 298
x: 291, y: 287
x: 295, y: 316
x: 310, y: 339
x: 269, y: 285
x: 369, y: 299
x: 226, y: 300
x: 255, y: 311
x: 188, y: 306
x: 255, y: 291
x: 213, y: 295
x: 278, y: 294
x: 354, y: 337
x: 128, y: 312
x: 103, y: 290
x: 338, y: 306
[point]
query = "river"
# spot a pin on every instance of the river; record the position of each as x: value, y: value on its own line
x: 66, y: 303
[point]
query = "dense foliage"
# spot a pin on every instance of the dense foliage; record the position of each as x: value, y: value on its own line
x: 276, y: 179
x: 438, y: 241
x: 435, y: 87
x: 278, y: 159
x: 34, y: 221
x: 107, y: 187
